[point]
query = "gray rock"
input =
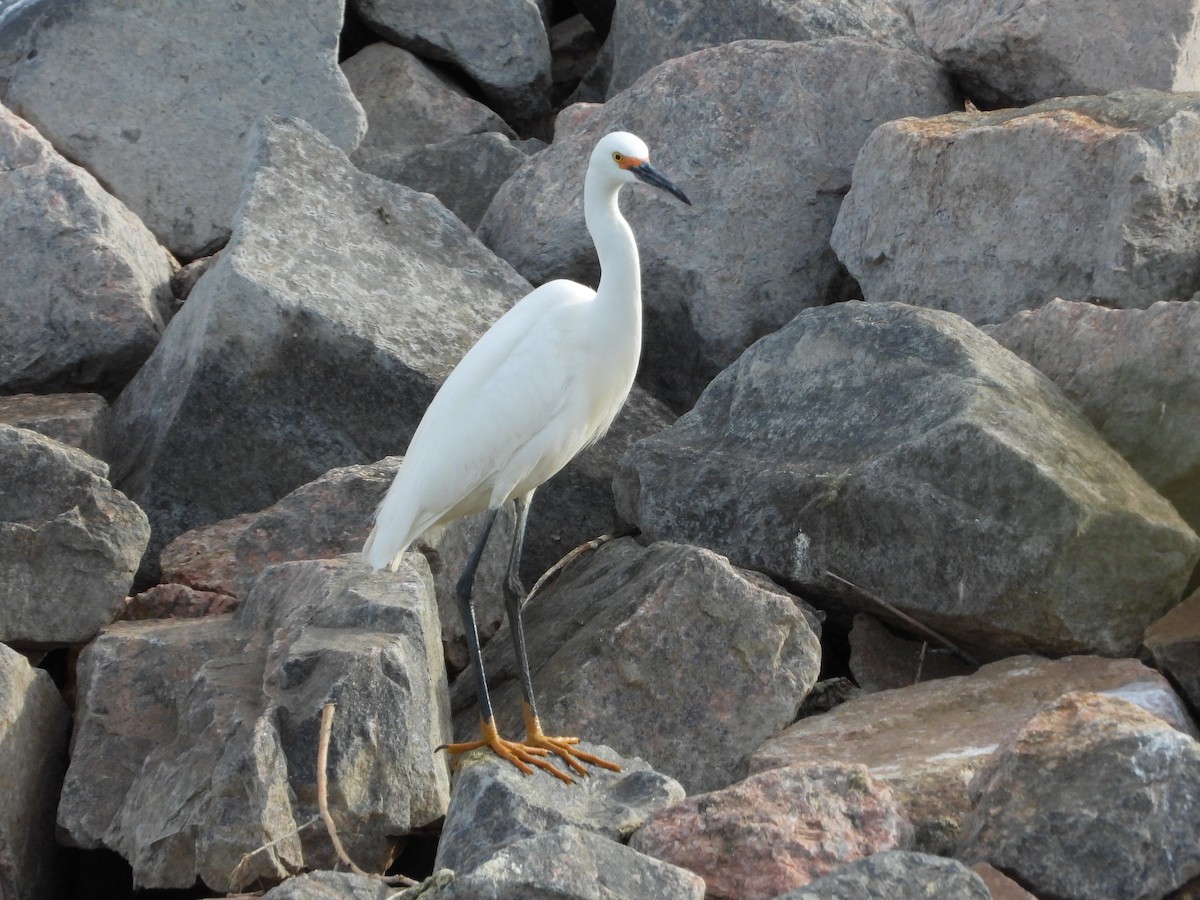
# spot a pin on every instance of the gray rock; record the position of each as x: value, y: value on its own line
x: 1095, y: 797
x: 895, y: 875
x: 494, y: 805
x: 78, y: 420
x: 156, y: 100
x: 903, y: 449
x: 196, y: 740
x: 753, y: 250
x: 1134, y: 375
x: 646, y: 33
x: 408, y: 104
x: 85, y: 284
x: 566, y: 863
x: 927, y: 740
x: 881, y: 659
x: 34, y: 727
x: 331, y: 886
x: 777, y: 830
x: 1092, y: 190
x: 463, y: 172
x: 299, y: 351
x: 69, y: 542
x: 615, y: 646
x: 501, y: 45
x: 1174, y: 642
x: 1014, y: 55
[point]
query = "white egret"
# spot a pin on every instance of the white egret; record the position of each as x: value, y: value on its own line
x: 545, y: 381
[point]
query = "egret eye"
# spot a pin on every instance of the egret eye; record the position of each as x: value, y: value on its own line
x: 617, y: 157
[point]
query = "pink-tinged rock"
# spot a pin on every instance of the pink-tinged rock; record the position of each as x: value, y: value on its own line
x: 1094, y: 797
x: 204, y: 558
x: 777, y: 830
x: 927, y: 741
x: 177, y: 601
x: 1000, y: 885
x: 1174, y: 641
x: 77, y: 420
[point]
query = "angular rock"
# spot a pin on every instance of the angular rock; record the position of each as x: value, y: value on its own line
x: 156, y: 100
x: 177, y: 601
x: 464, y: 172
x: 665, y: 652
x: 1134, y: 375
x: 574, y: 47
x: 880, y: 660
x: 1001, y: 886
x: 297, y: 352
x: 408, y: 104
x: 501, y: 45
x: 1174, y: 642
x: 34, y: 727
x: 753, y: 250
x: 896, y: 875
x: 1095, y: 797
x: 85, y: 283
x: 494, y: 805
x: 1014, y: 55
x: 566, y: 863
x: 78, y: 420
x: 646, y: 33
x: 777, y: 830
x: 926, y: 741
x: 69, y: 542
x: 1094, y: 190
x: 891, y: 444
x: 331, y: 886
x: 196, y: 740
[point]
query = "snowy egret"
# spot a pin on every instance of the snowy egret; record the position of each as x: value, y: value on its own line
x: 545, y: 381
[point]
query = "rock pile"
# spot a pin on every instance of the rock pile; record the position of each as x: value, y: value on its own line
x: 904, y: 600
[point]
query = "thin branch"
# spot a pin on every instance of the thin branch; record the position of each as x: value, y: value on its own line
x: 921, y: 662
x: 571, y: 557
x: 238, y: 876
x: 908, y: 620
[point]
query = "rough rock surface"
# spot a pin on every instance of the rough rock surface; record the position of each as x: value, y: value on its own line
x: 501, y: 45
x: 494, y: 805
x: 85, y: 283
x: 156, y: 100
x: 665, y: 652
x: 1174, y: 642
x: 331, y: 886
x: 880, y: 659
x: 69, y: 542
x: 408, y: 104
x: 777, y: 830
x: 896, y: 875
x: 78, y: 420
x: 298, y: 352
x: 197, y: 740
x: 34, y: 727
x: 463, y: 172
x: 927, y: 741
x: 1095, y: 797
x: 566, y: 863
x: 834, y: 441
x: 1015, y: 54
x: 777, y: 188
x: 1134, y: 374
x: 648, y: 32
x: 1090, y: 187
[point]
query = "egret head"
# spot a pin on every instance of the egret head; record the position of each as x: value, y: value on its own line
x: 625, y: 158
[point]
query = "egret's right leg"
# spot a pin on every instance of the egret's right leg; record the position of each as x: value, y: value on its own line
x: 514, y: 752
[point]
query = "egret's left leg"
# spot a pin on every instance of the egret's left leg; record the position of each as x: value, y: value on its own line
x: 514, y: 591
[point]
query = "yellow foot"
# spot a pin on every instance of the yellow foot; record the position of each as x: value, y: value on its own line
x: 515, y: 752
x: 563, y: 747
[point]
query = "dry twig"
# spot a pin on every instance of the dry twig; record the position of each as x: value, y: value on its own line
x: 571, y: 556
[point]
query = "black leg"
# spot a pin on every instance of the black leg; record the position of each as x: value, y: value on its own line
x: 514, y: 592
x: 467, y: 613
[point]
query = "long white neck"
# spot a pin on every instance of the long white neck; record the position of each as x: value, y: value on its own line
x: 620, y: 291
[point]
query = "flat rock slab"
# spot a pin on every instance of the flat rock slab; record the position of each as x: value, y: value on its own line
x: 1094, y: 192
x: 753, y: 250
x: 1134, y: 374
x: 927, y: 741
x: 665, y: 652
x: 34, y: 728
x: 86, y: 285
x: 494, y: 804
x: 69, y: 542
x: 196, y: 740
x: 901, y: 448
x: 1013, y: 55
x: 297, y: 351
x: 78, y: 420
x: 1094, y: 797
x: 156, y: 99
x: 896, y: 875
x: 1174, y: 642
x: 777, y: 830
